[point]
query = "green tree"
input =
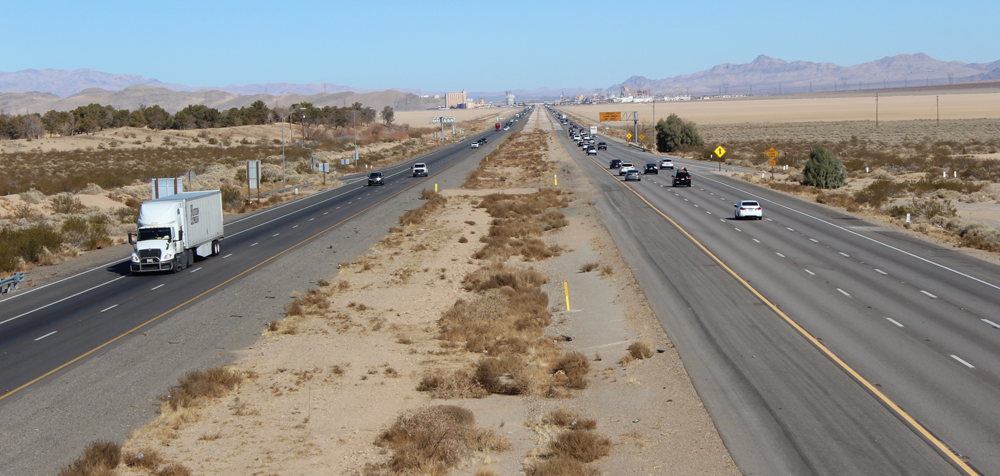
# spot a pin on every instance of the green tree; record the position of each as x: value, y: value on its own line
x: 387, y: 115
x: 674, y: 133
x: 157, y: 117
x: 823, y: 170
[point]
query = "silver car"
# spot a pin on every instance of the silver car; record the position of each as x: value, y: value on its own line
x: 633, y: 175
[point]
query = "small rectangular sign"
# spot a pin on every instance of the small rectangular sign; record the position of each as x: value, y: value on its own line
x: 610, y: 116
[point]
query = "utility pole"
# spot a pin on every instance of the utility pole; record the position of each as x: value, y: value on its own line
x: 282, y: 150
x: 876, y: 111
x: 938, y: 100
x: 355, y: 137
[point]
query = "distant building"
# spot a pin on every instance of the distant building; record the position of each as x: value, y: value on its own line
x: 510, y: 98
x: 455, y: 99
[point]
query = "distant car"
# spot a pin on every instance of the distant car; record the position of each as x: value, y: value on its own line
x: 682, y: 178
x: 650, y: 169
x: 602, y: 146
x: 419, y: 169
x: 633, y: 174
x: 483, y: 140
x: 506, y: 128
x: 591, y: 150
x: 749, y: 209
x: 625, y: 167
x: 375, y: 178
x: 474, y: 145
x: 615, y: 163
x: 667, y: 164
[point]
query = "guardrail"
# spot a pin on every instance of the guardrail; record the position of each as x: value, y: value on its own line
x: 637, y: 146
x: 8, y: 284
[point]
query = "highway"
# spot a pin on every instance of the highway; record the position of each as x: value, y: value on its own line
x: 820, y: 343
x: 50, y: 329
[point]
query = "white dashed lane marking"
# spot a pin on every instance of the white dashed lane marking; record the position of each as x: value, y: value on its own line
x: 46, y: 335
x: 810, y: 272
x: 928, y: 294
x: 879, y: 271
x: 789, y: 229
x: 224, y: 257
x: 845, y: 293
x: 158, y: 287
x: 962, y: 361
x: 845, y: 255
x: 779, y: 254
x: 110, y: 308
x: 813, y: 240
x: 255, y: 244
x: 991, y: 323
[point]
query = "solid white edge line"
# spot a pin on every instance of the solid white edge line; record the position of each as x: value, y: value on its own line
x: 845, y: 293
x: 894, y: 321
x: 991, y: 323
x: 928, y: 294
x: 46, y: 335
x: 962, y: 361
x: 158, y: 287
x: 907, y: 253
x: 110, y: 308
x: 810, y: 272
x: 61, y: 300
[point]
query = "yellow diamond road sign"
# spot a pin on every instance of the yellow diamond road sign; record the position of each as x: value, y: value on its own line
x: 629, y: 135
x: 642, y: 136
x: 772, y: 154
x: 719, y: 151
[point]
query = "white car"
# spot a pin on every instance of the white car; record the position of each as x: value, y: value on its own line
x: 419, y: 169
x: 625, y: 167
x: 749, y: 209
x: 475, y: 145
x: 666, y: 164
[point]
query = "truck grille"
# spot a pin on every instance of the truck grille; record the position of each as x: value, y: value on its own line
x: 143, y: 254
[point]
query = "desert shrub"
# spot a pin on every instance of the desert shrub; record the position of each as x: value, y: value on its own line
x: 588, y: 267
x: 878, y: 192
x: 32, y: 196
x: 196, y: 385
x: 65, y: 203
x: 418, y: 215
x: 674, y: 133
x: 498, y: 275
x: 98, y: 458
x: 28, y: 244
x: 147, y: 458
x: 980, y: 236
x: 639, y: 350
x: 232, y: 197
x: 823, y: 170
x: 583, y: 446
x: 23, y: 211
x: 926, y: 209
x: 433, y: 441
x: 174, y: 469
x: 576, y: 368
x: 561, y: 465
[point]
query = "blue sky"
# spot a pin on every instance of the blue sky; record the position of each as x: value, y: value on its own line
x: 476, y: 45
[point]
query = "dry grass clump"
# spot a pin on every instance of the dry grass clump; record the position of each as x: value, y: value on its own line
x: 98, y: 458
x: 418, y: 215
x: 588, y: 267
x: 517, y: 220
x: 197, y: 386
x: 497, y: 275
x: 637, y: 351
x: 147, y: 458
x: 313, y: 300
x: 519, y: 161
x: 575, y: 367
x: 433, y: 441
x: 575, y: 443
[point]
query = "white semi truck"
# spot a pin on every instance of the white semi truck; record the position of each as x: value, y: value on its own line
x: 173, y: 229
x: 593, y: 131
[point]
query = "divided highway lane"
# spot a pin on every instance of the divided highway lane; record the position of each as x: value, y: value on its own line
x: 780, y: 404
x: 44, y: 329
x: 917, y: 320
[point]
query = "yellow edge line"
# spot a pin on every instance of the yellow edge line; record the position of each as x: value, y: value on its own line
x: 144, y: 324
x: 941, y: 447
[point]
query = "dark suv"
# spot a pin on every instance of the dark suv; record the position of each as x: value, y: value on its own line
x: 682, y: 177
x: 615, y: 164
x: 650, y: 169
x: 375, y: 178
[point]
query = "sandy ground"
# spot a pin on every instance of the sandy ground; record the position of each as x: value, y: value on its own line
x: 423, y: 118
x: 833, y: 108
x: 325, y: 386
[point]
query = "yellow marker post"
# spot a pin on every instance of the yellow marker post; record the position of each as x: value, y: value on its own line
x: 435, y: 188
x: 566, y: 288
x: 555, y: 180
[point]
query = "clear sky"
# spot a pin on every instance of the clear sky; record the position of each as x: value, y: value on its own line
x: 476, y: 45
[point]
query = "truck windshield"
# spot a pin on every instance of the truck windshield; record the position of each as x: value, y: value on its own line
x: 154, y: 234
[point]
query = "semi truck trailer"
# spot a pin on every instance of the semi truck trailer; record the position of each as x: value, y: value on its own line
x: 173, y: 229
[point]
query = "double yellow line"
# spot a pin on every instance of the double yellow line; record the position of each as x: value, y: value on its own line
x: 886, y: 401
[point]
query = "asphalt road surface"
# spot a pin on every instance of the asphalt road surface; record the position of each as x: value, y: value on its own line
x: 833, y: 346
x: 107, y: 342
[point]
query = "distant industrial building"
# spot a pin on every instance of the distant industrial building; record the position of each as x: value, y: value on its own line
x: 510, y: 98
x: 455, y: 99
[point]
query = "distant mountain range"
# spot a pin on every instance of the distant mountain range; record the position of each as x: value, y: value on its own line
x: 42, y: 90
x: 766, y: 75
